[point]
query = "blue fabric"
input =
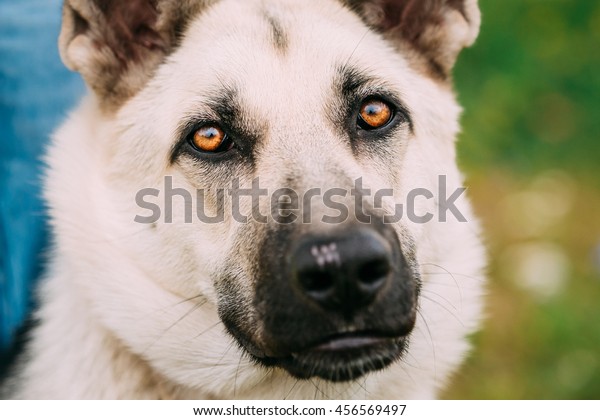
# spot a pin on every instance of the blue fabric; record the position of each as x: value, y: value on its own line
x: 35, y: 93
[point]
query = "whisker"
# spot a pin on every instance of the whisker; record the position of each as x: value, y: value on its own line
x: 318, y: 389
x: 408, y: 373
x: 444, y: 308
x: 187, y: 313
x: 237, y: 370
x: 441, y: 297
x: 432, y: 343
x: 291, y: 389
x: 173, y: 305
x: 446, y: 271
x: 219, y: 364
x: 444, y: 284
x: 362, y: 38
x: 206, y: 330
x: 363, y: 386
x: 451, y: 275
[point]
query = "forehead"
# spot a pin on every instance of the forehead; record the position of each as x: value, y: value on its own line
x: 273, y: 49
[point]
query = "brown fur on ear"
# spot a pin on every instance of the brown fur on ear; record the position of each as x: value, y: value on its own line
x: 437, y: 29
x: 116, y: 45
x: 131, y: 27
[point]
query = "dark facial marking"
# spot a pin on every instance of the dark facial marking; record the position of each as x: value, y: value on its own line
x: 350, y: 81
x: 234, y: 119
x: 351, y: 88
x: 280, y: 38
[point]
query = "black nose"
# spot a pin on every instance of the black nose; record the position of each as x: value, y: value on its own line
x: 343, y: 272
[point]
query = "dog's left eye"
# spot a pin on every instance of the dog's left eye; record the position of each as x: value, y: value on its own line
x: 211, y: 139
x: 374, y: 113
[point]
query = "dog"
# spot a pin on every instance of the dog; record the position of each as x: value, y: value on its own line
x: 281, y: 95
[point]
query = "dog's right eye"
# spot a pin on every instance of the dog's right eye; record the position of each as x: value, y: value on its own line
x: 210, y: 139
x: 374, y: 113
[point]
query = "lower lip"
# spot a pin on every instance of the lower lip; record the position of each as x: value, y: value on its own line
x: 350, y: 343
x: 344, y: 358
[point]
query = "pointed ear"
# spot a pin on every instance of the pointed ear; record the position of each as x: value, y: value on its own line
x: 117, y: 44
x: 437, y: 29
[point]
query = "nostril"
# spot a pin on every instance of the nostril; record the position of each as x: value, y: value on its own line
x: 374, y: 271
x: 316, y: 281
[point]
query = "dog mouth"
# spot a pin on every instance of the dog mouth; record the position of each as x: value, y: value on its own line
x: 343, y: 357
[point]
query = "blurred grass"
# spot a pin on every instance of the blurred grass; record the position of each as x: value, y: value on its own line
x: 531, y: 151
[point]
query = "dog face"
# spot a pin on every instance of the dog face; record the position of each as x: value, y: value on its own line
x: 288, y: 96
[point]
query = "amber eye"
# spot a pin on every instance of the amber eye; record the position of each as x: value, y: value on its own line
x: 374, y: 113
x: 210, y: 138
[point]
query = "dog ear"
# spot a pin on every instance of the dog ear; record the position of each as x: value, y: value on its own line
x: 437, y: 29
x: 117, y: 44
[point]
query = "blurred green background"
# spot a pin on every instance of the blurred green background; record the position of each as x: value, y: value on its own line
x: 531, y: 151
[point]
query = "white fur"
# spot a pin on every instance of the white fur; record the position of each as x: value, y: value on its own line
x: 115, y: 322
